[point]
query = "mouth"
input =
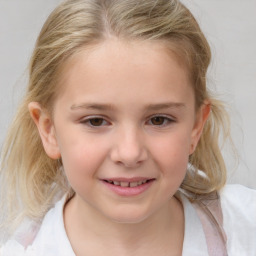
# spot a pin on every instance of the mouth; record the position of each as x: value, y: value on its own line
x: 126, y: 184
x: 128, y: 187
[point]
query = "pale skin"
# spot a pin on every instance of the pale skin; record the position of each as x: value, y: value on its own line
x: 124, y: 111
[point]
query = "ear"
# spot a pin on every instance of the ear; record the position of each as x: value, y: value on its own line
x: 45, y: 128
x: 201, y: 117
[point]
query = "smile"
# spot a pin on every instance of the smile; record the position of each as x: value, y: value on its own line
x: 127, y: 184
x: 128, y: 187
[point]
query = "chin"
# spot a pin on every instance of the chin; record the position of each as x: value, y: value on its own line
x: 129, y: 217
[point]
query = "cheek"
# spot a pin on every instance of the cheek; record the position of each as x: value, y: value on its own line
x: 81, y: 160
x: 172, y: 153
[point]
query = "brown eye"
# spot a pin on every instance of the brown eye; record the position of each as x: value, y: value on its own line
x: 96, y: 121
x: 158, y: 120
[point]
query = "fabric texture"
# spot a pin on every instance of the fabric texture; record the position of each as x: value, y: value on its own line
x: 238, y: 221
x: 210, y: 213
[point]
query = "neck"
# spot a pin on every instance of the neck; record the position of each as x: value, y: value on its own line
x: 162, y: 229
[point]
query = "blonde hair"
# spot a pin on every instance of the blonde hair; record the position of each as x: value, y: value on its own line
x: 30, y: 180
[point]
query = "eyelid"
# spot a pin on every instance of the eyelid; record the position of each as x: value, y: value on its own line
x: 169, y: 119
x: 163, y: 115
x: 86, y: 120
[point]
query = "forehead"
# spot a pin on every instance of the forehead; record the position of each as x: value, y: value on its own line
x: 124, y: 66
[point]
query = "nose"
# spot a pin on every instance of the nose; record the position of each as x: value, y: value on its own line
x: 129, y: 149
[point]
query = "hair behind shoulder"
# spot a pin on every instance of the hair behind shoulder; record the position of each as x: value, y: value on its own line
x: 30, y: 180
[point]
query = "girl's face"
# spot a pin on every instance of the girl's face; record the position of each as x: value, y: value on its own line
x: 124, y: 125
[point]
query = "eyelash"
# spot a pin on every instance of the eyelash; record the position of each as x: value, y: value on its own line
x: 166, y: 120
x: 88, y: 121
x: 103, y: 122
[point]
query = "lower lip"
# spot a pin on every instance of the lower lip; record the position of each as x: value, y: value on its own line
x: 129, y: 191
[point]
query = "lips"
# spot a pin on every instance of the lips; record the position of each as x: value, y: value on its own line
x: 128, y: 187
x: 127, y: 183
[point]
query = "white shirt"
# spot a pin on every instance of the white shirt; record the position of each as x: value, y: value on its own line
x: 239, y: 220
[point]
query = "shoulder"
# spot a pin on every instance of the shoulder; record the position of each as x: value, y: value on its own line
x: 19, y: 242
x: 50, y: 240
x: 239, y: 200
x: 239, y: 218
x: 238, y: 190
x: 14, y: 248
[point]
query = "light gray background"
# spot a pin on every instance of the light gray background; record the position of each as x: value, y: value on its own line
x: 229, y: 25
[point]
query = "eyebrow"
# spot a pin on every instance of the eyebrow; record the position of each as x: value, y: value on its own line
x: 94, y: 106
x: 166, y: 105
x: 108, y: 107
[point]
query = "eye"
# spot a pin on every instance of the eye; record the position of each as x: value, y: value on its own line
x: 95, y: 122
x: 160, y: 120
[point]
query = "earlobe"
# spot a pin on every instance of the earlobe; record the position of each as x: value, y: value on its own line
x: 45, y: 128
x: 202, y: 116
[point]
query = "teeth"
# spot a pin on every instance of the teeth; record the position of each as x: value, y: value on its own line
x: 133, y: 184
x: 124, y: 184
x: 127, y: 184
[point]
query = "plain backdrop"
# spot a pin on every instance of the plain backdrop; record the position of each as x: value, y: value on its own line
x: 229, y: 25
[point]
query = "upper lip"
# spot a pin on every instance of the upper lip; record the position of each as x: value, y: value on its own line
x: 125, y: 179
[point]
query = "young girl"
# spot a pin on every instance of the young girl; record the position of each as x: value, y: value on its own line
x: 114, y: 149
